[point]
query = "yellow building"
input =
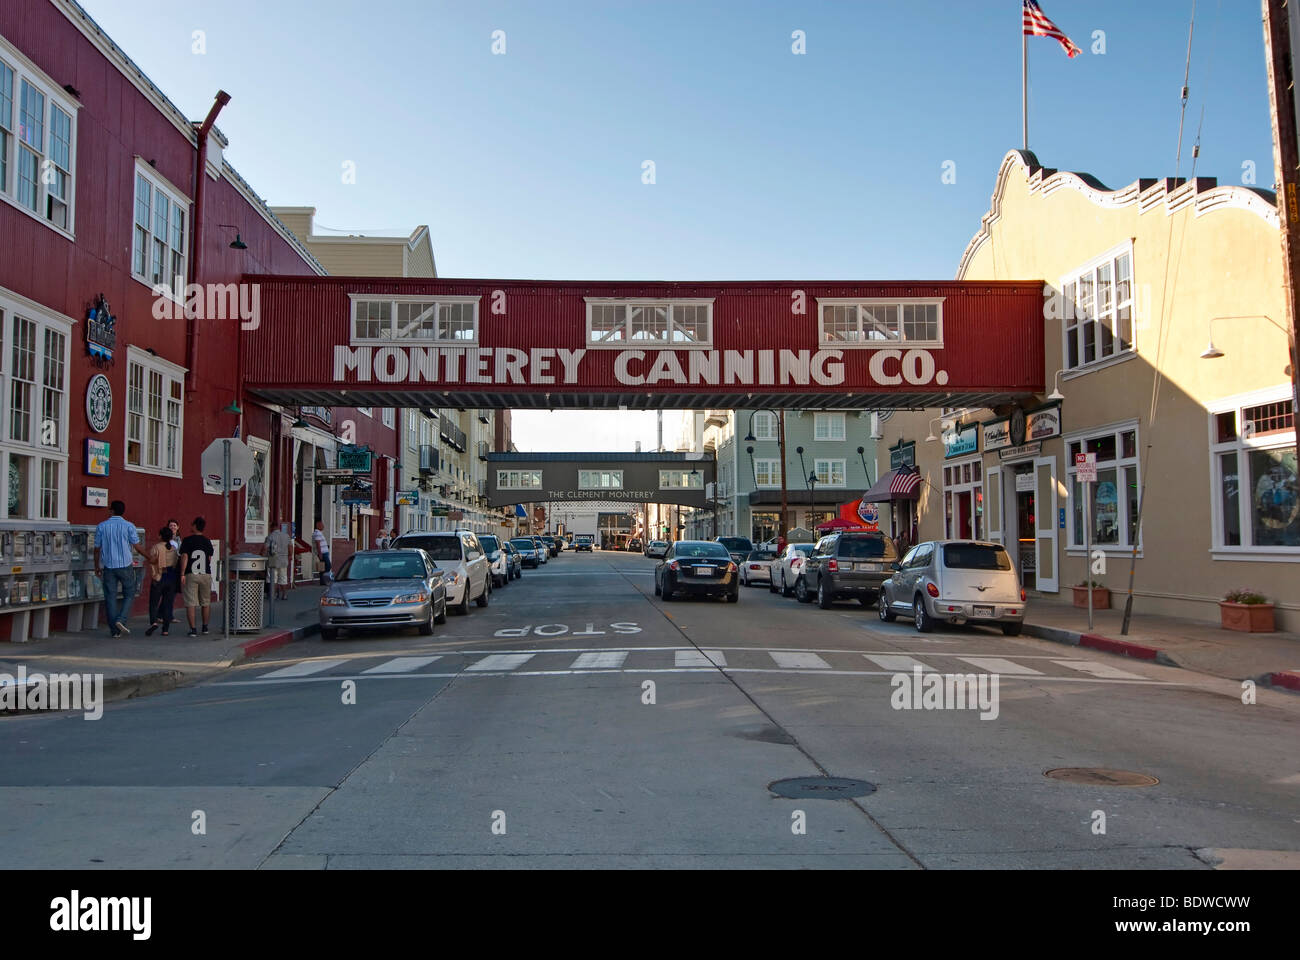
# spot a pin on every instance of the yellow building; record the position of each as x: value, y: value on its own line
x: 1137, y: 281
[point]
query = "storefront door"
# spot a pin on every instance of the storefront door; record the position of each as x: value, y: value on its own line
x: 1045, y: 525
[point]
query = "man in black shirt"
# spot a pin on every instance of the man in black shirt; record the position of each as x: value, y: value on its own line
x: 196, y: 573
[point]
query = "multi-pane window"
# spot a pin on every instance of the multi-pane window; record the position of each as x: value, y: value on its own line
x: 22, y: 380
x: 441, y: 320
x: 386, y: 416
x: 154, y: 414
x: 765, y: 425
x: 158, y: 249
x: 963, y: 500
x: 681, y: 480
x: 1256, y: 492
x: 881, y: 323
x: 828, y: 426
x: 830, y: 472
x: 33, y: 446
x: 1113, y: 498
x: 663, y: 322
x: 767, y: 472
x: 519, y: 479
x: 52, y: 387
x: 37, y: 142
x: 600, y: 479
x: 1098, y: 310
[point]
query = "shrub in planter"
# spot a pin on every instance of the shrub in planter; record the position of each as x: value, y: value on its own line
x: 1100, y: 595
x: 1246, y: 611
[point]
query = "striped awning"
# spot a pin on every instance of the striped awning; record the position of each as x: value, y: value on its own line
x: 901, y: 484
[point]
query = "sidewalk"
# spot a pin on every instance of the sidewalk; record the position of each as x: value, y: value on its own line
x: 136, y: 665
x: 1193, y: 644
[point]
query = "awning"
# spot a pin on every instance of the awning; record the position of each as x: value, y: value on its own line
x: 881, y: 491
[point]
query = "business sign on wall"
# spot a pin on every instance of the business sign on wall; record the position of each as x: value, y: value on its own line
x: 962, y: 440
x: 902, y: 455
x: 1022, y: 427
x: 97, y: 457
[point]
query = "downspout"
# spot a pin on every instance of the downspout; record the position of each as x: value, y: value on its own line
x: 196, y: 234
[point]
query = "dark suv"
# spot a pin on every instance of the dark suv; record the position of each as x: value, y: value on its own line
x: 846, y: 566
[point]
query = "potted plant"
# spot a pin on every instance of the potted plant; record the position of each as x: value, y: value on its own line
x: 1100, y: 595
x: 1247, y: 611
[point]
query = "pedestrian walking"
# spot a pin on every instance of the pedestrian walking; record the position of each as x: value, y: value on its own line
x: 384, y: 539
x: 322, y: 551
x: 164, y: 582
x: 196, y: 574
x: 277, y: 548
x: 115, y: 539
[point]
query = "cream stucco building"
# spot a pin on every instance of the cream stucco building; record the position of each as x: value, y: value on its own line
x: 1137, y: 281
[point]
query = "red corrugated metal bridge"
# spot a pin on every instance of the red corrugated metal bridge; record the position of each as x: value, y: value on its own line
x: 564, y: 344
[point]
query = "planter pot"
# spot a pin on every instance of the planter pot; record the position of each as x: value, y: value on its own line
x: 1100, y: 597
x: 1246, y: 617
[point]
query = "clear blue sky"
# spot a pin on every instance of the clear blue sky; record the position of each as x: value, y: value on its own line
x: 769, y: 165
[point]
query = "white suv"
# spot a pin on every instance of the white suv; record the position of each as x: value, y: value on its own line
x: 458, y: 553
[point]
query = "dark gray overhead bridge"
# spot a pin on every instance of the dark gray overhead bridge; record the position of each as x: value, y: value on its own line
x: 679, y: 478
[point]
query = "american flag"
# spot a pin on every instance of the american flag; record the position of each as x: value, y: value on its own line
x: 1038, y: 25
x: 906, y: 480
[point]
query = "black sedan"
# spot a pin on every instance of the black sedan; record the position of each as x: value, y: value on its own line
x: 528, y: 551
x: 697, y: 567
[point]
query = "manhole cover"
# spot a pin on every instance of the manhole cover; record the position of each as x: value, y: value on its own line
x: 1101, y: 777
x: 821, y: 788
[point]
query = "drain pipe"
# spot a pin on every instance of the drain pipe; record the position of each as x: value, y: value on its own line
x: 196, y: 232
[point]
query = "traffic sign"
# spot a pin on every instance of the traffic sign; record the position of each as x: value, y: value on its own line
x: 1085, y: 467
x: 213, y: 466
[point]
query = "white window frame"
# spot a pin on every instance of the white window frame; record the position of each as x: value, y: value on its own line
x: 831, y: 462
x: 1075, y: 316
x: 170, y: 372
x: 53, y: 96
x: 436, y: 302
x: 1243, y: 446
x: 1120, y: 462
x: 519, y: 479
x: 681, y: 480
x: 175, y: 291
x: 862, y: 304
x: 975, y: 487
x: 386, y: 417
x: 44, y: 319
x: 766, y: 425
x: 831, y: 419
x: 771, y: 466
x: 595, y: 479
x: 667, y: 343
x: 252, y: 534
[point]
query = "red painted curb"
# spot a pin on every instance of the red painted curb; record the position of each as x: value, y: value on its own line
x: 254, y: 648
x: 1289, y: 680
x: 1122, y: 647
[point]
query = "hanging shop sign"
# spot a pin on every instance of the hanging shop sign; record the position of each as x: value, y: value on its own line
x: 333, y: 477
x: 997, y: 434
x: 408, y: 498
x: 961, y: 440
x: 902, y: 455
x: 354, y: 458
x: 1044, y: 422
x: 101, y: 331
x: 356, y: 494
x: 1024, y: 450
x: 97, y: 458
x: 99, y: 402
x: 1016, y: 426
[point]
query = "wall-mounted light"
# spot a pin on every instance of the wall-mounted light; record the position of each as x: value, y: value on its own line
x: 238, y: 243
x: 1056, y: 393
x: 1212, y: 352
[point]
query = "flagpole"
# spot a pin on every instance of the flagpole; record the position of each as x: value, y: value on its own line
x: 1024, y: 81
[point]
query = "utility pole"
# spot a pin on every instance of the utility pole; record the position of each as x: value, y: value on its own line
x: 1278, y: 51
x: 785, y: 499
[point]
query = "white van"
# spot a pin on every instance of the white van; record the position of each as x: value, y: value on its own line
x: 466, y: 571
x: 955, y: 581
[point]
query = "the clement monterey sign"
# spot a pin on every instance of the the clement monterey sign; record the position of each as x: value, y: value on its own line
x: 600, y: 344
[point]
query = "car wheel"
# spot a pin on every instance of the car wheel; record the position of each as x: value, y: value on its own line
x: 482, y: 600
x: 867, y: 600
x: 771, y: 584
x: 426, y: 628
x: 733, y: 597
x: 656, y: 586
x: 801, y: 590
x: 824, y: 599
x: 921, y: 617
x: 441, y: 616
x: 786, y: 590
x: 462, y: 608
x: 329, y: 634
x: 1012, y: 629
x: 882, y: 607
x: 667, y: 591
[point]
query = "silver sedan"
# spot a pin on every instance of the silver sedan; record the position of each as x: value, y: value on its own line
x: 384, y: 588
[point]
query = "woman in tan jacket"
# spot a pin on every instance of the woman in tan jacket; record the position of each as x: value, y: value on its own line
x: 164, y: 581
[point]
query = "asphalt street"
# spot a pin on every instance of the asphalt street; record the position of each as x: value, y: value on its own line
x: 580, y: 721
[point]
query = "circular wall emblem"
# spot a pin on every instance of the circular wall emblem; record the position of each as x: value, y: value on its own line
x: 869, y: 513
x: 1017, y: 427
x: 99, y: 402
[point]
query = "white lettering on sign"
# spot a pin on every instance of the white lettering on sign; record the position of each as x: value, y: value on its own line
x: 543, y: 366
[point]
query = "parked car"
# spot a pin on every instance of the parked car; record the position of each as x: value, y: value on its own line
x: 757, y: 567
x: 394, y: 587
x: 656, y: 548
x: 516, y: 561
x: 786, y: 567
x: 498, y: 560
x: 635, y: 545
x: 955, y: 581
x: 528, y: 551
x: 850, y: 565
x: 464, y: 564
x: 551, y: 547
x: 697, y: 567
x: 738, y: 547
x: 543, y: 551
x: 583, y: 541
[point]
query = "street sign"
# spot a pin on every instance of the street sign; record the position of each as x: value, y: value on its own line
x: 1085, y: 467
x: 212, y: 466
x: 408, y: 498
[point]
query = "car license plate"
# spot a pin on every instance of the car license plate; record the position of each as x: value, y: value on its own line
x: 866, y: 566
x: 704, y: 571
x: 983, y: 611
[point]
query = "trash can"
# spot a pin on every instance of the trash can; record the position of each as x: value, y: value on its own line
x: 248, y: 572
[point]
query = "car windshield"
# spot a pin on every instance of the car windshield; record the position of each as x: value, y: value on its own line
x: 975, y: 556
x: 658, y: 543
x: 691, y: 550
x: 388, y: 566
x: 867, y: 548
x: 489, y: 544
x: 736, y: 543
x: 762, y: 555
x: 440, y: 548
x: 524, y: 544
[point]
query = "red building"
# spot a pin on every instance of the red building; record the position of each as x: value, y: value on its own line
x: 109, y: 193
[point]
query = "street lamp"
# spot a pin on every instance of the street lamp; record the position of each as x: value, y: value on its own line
x: 780, y: 439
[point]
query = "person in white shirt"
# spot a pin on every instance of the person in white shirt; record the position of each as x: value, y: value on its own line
x: 322, y: 547
x: 278, y: 547
x: 384, y: 539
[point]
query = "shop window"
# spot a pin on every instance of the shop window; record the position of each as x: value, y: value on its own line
x: 1256, y: 498
x: 963, y: 501
x: 33, y: 438
x: 1113, y: 504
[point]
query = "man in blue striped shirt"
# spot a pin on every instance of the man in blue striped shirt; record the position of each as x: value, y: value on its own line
x: 115, y: 538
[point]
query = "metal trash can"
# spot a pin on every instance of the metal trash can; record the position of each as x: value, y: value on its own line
x: 248, y: 571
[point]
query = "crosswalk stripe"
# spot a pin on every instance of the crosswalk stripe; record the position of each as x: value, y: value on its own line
x: 402, y: 665
x: 900, y: 663
x: 303, y: 669
x: 1102, y: 670
x: 600, y: 660
x: 699, y: 658
x: 501, y: 661
x: 998, y: 665
x: 799, y: 661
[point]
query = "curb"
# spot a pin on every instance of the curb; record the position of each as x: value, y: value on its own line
x: 252, y: 649
x: 1288, y: 679
x: 141, y: 684
x: 1095, y: 641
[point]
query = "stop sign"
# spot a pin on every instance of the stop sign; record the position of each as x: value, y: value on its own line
x: 213, y: 465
